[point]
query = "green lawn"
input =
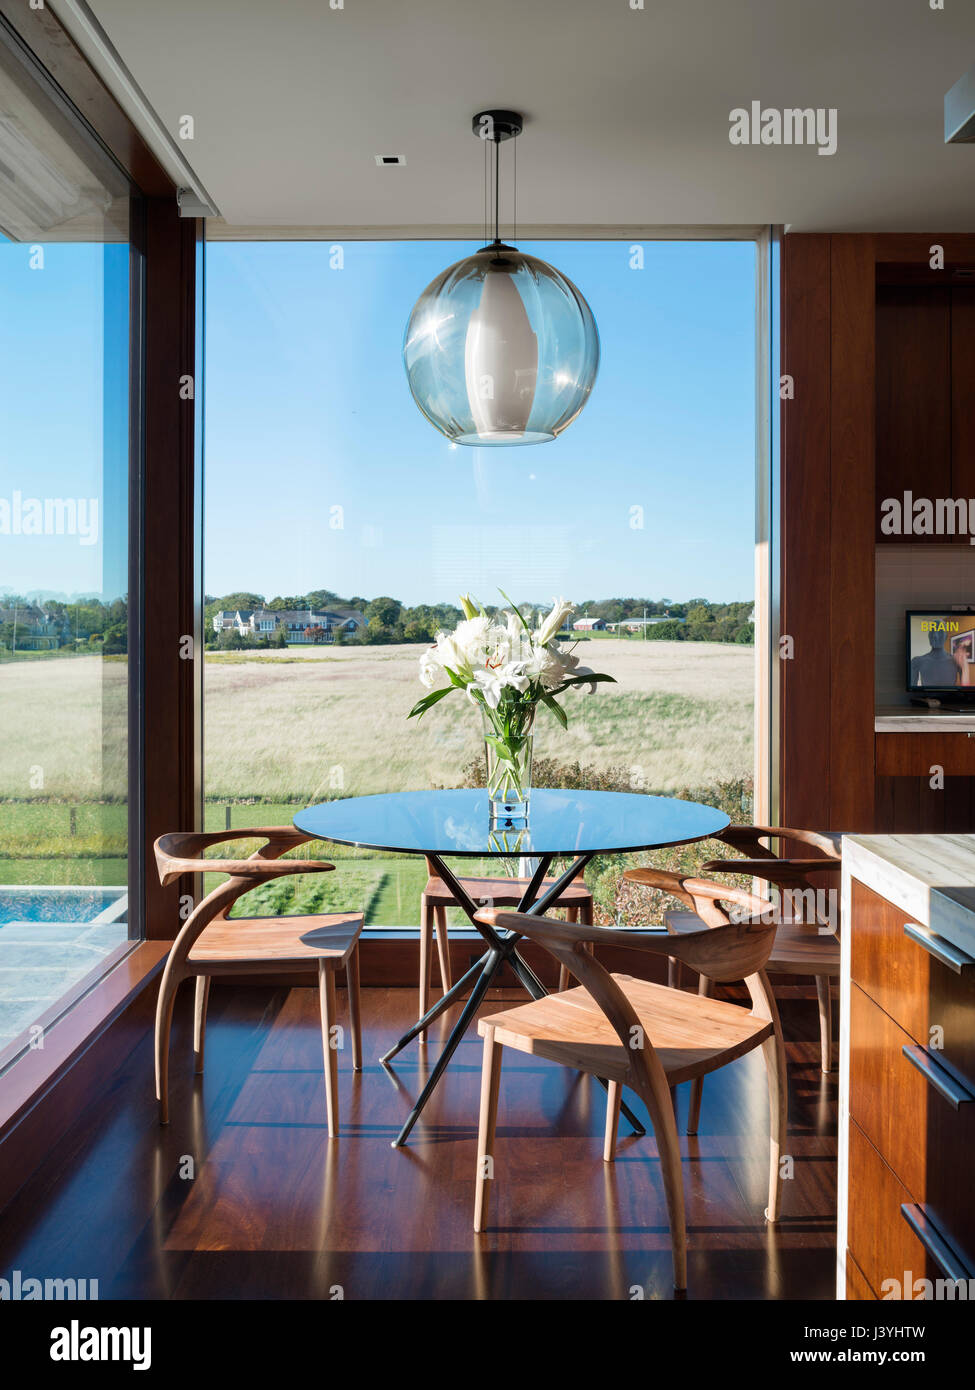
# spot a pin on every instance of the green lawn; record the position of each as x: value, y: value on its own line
x: 283, y: 731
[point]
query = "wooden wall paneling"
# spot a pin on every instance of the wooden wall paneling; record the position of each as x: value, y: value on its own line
x: 915, y: 248
x: 962, y: 392
x: 851, y: 534
x: 913, y: 399
x: 883, y: 805
x: 172, y: 521
x: 959, y: 811
x: 914, y: 755
x: 907, y: 805
x: 931, y: 805
x: 805, y: 530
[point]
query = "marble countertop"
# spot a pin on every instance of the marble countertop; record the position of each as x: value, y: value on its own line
x: 931, y: 877
x: 913, y: 719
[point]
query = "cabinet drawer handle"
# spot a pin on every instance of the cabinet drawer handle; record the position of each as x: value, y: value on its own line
x: 938, y: 1077
x: 957, y: 960
x: 933, y: 1241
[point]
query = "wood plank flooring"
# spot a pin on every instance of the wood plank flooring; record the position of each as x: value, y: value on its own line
x: 243, y: 1196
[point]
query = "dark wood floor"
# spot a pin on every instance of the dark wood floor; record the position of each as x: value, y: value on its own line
x: 243, y: 1196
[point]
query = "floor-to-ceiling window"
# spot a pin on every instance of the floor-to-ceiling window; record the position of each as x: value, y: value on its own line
x: 341, y: 528
x: 66, y: 350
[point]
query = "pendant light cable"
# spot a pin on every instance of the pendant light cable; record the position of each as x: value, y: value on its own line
x: 497, y: 185
x: 514, y: 199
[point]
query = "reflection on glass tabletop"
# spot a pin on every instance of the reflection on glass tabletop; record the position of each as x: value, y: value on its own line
x: 560, y: 822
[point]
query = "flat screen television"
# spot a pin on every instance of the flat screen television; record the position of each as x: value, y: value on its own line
x: 941, y: 653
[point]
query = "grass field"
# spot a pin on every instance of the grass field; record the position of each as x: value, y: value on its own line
x: 310, y: 725
x: 286, y: 729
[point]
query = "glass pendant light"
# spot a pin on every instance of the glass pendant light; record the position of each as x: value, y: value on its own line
x: 501, y: 348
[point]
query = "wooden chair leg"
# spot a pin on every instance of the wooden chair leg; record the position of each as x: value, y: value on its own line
x: 426, y: 943
x: 565, y: 977
x: 326, y: 995
x: 675, y: 978
x: 164, y: 1024
x: 697, y: 1085
x: 355, y: 1011
x: 825, y: 1022
x: 200, y: 1003
x: 778, y: 1091
x: 443, y: 948
x: 614, y: 1095
x: 668, y: 1147
x: 490, y: 1082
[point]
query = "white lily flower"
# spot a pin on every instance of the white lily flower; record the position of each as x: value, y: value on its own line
x: 515, y: 675
x: 450, y: 653
x: 492, y: 684
x: 487, y: 685
x: 429, y: 668
x: 553, y: 623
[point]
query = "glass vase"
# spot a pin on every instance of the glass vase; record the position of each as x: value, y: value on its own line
x: 508, y: 739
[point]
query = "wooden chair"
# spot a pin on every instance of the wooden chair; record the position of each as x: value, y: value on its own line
x: 809, y: 945
x: 496, y: 892
x: 210, y: 943
x: 647, y: 1036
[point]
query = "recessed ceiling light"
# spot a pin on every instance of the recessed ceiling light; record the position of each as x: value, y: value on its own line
x: 382, y: 159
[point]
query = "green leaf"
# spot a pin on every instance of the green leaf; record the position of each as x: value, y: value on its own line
x: 594, y: 679
x: 421, y: 706
x: 557, y: 710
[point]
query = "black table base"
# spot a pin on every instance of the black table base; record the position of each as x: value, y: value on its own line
x: 502, y: 948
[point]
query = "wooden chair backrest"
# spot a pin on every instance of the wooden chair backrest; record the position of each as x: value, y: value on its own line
x: 179, y: 854
x: 803, y: 876
x: 722, y: 950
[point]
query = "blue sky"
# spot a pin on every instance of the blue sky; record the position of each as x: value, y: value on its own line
x: 63, y: 404
x: 308, y: 409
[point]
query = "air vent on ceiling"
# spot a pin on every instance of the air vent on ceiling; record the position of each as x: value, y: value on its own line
x: 383, y: 159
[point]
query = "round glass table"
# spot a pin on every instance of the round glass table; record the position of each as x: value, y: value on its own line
x: 577, y: 825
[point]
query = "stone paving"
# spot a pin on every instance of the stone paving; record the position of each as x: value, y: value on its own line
x: 39, y: 961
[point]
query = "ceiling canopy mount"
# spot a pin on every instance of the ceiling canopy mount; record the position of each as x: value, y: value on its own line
x: 497, y: 125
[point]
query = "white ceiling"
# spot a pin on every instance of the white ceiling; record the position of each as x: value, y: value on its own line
x: 627, y: 110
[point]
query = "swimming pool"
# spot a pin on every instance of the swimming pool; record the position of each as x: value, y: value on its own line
x: 26, y: 903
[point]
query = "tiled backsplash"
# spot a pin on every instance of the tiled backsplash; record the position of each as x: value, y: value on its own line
x: 912, y: 576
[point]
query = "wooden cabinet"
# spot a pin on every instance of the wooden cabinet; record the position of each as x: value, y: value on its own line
x: 963, y: 392
x: 911, y: 1101
x: 925, y: 397
x: 913, y: 394
x: 914, y: 755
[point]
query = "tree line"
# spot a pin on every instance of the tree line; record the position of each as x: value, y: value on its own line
x: 391, y: 621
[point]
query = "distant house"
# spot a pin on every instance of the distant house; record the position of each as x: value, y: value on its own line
x: 237, y: 620
x: 302, y: 625
x: 30, y: 629
x: 589, y: 625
